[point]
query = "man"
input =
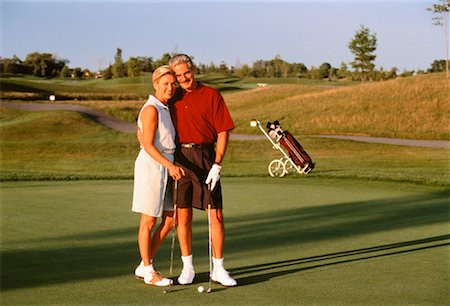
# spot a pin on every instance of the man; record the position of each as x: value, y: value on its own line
x: 201, y: 119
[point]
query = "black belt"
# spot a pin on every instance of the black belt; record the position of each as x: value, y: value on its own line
x: 196, y: 145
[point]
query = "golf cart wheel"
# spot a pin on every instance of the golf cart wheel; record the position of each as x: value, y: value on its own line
x: 288, y: 166
x: 276, y: 168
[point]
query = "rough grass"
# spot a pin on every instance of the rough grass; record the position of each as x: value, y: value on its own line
x: 416, y: 107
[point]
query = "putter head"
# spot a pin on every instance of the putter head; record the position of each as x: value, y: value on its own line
x: 168, y: 289
x: 209, y: 290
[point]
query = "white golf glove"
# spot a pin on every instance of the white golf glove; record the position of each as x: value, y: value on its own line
x: 213, y: 176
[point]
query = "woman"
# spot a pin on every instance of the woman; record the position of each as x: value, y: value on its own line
x: 154, y: 164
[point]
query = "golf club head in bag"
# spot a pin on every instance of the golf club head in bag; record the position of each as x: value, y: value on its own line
x: 274, y: 129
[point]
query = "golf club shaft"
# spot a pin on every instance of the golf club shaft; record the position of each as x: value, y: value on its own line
x: 210, y: 247
x: 172, y: 247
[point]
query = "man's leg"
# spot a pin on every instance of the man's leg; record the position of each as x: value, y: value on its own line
x: 218, y: 232
x: 219, y: 274
x: 185, y: 240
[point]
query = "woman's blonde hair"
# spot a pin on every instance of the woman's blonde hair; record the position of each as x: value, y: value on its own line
x: 160, y: 72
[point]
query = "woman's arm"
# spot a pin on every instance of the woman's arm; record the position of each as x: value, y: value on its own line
x: 149, y: 119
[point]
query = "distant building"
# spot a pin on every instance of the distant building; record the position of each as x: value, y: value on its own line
x: 262, y: 85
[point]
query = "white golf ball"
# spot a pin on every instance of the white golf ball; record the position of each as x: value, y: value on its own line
x: 201, y: 289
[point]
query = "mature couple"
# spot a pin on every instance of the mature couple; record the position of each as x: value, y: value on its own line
x: 183, y: 134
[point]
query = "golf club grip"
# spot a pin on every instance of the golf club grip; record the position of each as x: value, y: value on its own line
x: 175, y: 192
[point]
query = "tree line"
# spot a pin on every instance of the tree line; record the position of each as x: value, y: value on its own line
x: 46, y: 65
x: 363, y: 46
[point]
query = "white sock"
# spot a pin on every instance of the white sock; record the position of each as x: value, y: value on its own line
x: 187, y: 262
x: 149, y: 268
x: 217, y: 263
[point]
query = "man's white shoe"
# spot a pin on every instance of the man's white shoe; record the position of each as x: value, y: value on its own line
x: 186, y: 277
x: 223, y: 277
x: 156, y: 279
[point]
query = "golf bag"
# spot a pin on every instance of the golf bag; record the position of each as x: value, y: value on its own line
x: 295, y: 150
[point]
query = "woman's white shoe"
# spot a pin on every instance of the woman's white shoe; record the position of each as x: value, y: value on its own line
x: 156, y: 279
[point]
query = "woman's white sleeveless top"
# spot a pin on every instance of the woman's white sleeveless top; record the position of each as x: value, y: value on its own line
x: 165, y: 133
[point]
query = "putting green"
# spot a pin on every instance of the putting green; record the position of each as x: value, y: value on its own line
x: 298, y: 240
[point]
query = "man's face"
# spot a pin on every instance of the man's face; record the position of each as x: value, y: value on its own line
x: 185, y: 76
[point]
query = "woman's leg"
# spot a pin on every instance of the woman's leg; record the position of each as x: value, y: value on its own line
x: 161, y: 232
x: 144, y: 237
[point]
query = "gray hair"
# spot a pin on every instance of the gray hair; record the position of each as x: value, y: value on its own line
x: 181, y: 58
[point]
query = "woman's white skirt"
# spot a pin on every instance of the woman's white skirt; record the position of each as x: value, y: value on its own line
x: 151, y: 193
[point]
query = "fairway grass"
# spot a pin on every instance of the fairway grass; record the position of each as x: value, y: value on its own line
x: 64, y: 145
x: 320, y: 241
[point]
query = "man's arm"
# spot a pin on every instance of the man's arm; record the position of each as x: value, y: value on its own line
x: 221, y: 146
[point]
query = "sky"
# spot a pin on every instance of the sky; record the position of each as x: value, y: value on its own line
x: 88, y: 33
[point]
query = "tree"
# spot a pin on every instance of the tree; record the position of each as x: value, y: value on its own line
x: 259, y: 69
x: 145, y: 63
x: 343, y: 72
x: 133, y: 69
x: 441, y: 11
x: 164, y: 60
x: 65, y: 72
x: 324, y: 70
x: 44, y: 64
x: 243, y: 71
x: 108, y: 72
x: 298, y: 70
x: 280, y: 68
x: 223, y: 68
x: 438, y: 66
x: 314, y: 73
x: 363, y: 46
x: 118, y: 68
x: 77, y: 73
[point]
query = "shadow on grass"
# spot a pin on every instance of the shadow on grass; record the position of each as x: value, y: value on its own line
x: 9, y: 86
x: 267, y: 271
x: 330, y: 222
x: 110, y: 254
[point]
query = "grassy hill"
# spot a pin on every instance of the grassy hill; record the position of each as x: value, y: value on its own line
x: 415, y: 107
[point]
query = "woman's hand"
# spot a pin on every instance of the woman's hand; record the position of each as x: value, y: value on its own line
x: 176, y: 172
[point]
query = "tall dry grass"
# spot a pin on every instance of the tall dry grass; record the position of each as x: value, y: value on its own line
x: 415, y: 107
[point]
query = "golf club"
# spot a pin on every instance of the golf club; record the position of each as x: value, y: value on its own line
x: 209, y: 241
x: 172, y: 247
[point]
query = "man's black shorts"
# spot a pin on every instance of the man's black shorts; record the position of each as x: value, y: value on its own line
x: 192, y: 191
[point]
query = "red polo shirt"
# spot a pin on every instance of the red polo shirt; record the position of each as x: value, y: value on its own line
x: 198, y: 116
